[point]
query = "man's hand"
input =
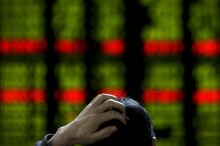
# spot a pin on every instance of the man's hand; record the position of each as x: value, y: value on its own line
x: 84, y: 129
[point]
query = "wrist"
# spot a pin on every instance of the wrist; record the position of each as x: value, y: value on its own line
x: 57, y: 139
x: 61, y: 138
x: 53, y: 141
x: 45, y: 141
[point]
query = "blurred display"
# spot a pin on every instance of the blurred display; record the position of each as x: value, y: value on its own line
x: 108, y: 22
x: 204, y: 24
x: 56, y: 56
x: 163, y: 81
x: 68, y: 23
x: 22, y: 72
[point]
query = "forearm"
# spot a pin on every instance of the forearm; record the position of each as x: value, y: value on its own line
x: 62, y: 137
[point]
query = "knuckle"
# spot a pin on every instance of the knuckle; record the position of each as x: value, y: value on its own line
x: 110, y: 101
x: 108, y: 95
x: 101, y: 95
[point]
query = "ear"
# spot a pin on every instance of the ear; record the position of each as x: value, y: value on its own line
x: 154, y: 141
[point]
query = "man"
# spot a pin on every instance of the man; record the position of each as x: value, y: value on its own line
x: 106, y: 120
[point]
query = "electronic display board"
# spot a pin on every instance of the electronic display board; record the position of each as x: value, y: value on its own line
x: 204, y: 25
x: 163, y: 80
x: 108, y: 32
x: 56, y: 56
x: 70, y: 68
x: 22, y: 72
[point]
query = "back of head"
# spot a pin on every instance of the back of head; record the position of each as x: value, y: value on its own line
x: 137, y: 132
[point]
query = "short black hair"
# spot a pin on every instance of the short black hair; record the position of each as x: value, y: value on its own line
x: 137, y: 132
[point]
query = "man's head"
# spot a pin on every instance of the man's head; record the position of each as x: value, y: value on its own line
x: 137, y: 132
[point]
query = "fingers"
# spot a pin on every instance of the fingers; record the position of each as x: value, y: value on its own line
x: 110, y: 115
x: 111, y: 105
x: 101, y: 98
x: 104, y: 133
x: 109, y: 108
x: 109, y: 130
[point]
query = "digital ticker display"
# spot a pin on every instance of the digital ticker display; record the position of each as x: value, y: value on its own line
x: 56, y: 56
